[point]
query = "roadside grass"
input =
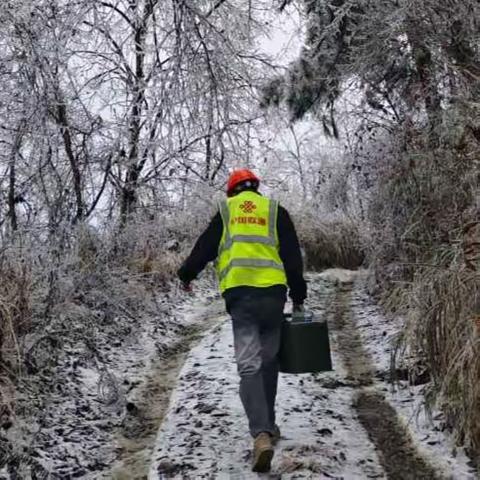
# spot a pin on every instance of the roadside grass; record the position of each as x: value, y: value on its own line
x: 442, y: 331
x: 330, y: 243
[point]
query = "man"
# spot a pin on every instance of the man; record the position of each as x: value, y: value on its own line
x: 257, y: 254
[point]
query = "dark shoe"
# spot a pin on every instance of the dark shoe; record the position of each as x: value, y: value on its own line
x: 275, y: 436
x: 262, y: 453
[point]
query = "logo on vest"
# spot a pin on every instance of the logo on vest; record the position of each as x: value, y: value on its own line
x: 249, y: 220
x: 248, y: 206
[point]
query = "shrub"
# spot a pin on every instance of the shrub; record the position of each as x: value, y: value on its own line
x: 84, y: 275
x: 15, y: 304
x: 425, y: 253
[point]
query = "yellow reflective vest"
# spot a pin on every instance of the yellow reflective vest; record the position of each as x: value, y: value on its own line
x: 248, y: 252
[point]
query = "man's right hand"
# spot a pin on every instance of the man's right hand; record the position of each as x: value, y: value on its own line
x: 297, y: 312
x: 298, y: 307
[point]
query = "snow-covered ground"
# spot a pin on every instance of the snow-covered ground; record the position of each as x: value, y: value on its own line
x: 205, y: 435
x: 160, y: 399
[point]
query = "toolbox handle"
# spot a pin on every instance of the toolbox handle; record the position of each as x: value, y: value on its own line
x: 304, y: 317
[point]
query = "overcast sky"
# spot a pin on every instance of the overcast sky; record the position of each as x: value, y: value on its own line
x: 285, y: 38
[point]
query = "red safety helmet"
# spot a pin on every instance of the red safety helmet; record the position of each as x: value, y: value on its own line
x: 239, y: 176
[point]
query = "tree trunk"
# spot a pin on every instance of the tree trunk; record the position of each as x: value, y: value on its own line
x: 422, y: 57
x: 73, y: 160
x: 11, y: 194
x: 12, y: 175
x: 134, y: 167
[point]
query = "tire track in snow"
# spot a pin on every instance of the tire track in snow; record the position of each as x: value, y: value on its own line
x: 398, y: 453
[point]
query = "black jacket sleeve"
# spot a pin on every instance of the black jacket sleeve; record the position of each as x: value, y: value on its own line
x: 204, y: 251
x: 291, y: 256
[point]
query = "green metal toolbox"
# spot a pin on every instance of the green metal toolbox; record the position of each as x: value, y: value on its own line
x: 305, y: 346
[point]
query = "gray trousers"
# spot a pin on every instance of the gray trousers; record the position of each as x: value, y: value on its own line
x: 257, y: 323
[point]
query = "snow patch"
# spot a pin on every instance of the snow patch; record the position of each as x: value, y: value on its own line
x: 340, y: 275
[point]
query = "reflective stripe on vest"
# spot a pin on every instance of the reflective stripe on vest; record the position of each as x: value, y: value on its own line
x: 250, y: 262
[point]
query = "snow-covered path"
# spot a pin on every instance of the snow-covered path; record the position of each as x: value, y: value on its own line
x: 205, y: 432
x: 339, y: 424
